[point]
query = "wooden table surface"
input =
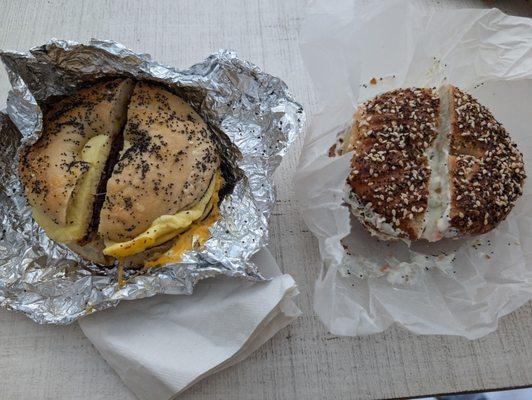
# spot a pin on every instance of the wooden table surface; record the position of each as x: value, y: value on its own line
x: 303, y: 360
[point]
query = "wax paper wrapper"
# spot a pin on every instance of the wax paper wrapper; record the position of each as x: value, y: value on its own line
x: 459, y: 287
x: 253, y: 118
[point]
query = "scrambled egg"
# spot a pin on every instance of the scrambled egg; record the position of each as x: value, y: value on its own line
x: 167, y: 227
x: 80, y: 208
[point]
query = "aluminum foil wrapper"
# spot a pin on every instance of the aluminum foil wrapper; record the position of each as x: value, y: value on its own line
x: 252, y: 114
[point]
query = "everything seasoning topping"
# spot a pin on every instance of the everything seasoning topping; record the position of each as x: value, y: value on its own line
x: 166, y: 165
x: 389, y: 171
x: 486, y: 167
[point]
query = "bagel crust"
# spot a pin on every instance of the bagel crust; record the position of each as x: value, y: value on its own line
x: 430, y: 164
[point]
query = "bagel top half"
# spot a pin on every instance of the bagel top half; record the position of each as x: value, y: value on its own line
x: 123, y: 170
x: 429, y: 164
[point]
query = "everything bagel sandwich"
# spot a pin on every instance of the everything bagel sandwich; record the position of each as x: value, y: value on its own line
x: 429, y: 164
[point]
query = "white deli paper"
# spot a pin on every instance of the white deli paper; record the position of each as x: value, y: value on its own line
x: 459, y: 287
x: 162, y: 345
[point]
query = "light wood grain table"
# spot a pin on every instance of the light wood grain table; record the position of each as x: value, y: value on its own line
x: 302, y: 361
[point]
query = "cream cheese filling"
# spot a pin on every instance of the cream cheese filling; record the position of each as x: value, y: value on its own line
x: 436, y: 222
x: 375, y: 222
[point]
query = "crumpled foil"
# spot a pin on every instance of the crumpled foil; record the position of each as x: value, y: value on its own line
x: 252, y: 114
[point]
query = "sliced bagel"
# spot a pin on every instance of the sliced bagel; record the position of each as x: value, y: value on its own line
x: 486, y: 168
x: 167, y: 165
x: 124, y: 170
x: 429, y: 164
x: 389, y: 179
x: 61, y: 172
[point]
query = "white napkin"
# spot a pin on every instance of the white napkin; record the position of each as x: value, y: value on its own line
x: 485, y: 52
x: 162, y: 345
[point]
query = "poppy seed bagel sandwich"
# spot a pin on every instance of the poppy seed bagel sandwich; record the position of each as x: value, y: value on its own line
x: 430, y: 164
x: 124, y: 171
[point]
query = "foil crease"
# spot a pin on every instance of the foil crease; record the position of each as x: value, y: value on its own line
x: 254, y: 117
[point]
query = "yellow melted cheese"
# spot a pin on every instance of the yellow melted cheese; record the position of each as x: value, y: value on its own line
x: 166, y: 227
x: 80, y: 208
x: 194, y: 237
